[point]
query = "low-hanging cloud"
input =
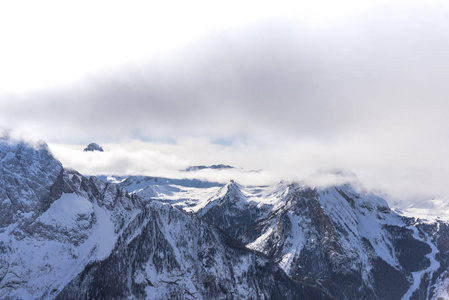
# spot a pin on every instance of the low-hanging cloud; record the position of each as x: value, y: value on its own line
x: 366, y: 93
x: 388, y: 172
x: 159, y: 160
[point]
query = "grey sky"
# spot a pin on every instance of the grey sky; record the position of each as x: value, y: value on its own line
x: 290, y: 93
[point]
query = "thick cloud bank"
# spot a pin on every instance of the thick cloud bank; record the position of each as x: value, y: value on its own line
x: 290, y: 94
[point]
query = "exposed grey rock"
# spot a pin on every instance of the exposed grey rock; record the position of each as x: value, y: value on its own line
x: 27, y: 173
x: 93, y: 147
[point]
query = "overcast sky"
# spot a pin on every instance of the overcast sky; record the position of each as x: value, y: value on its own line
x: 289, y: 88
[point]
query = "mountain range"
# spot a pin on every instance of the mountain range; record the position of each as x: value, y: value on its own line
x: 68, y: 236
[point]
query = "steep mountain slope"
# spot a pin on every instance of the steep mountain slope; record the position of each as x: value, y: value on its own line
x: 42, y: 253
x: 336, y: 237
x: 166, y: 254
x: 26, y: 175
x: 53, y: 221
x: 235, y: 208
x: 63, y: 235
x: 346, y: 240
x: 76, y: 231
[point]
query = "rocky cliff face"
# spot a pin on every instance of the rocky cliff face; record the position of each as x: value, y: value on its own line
x: 26, y: 175
x: 42, y: 253
x: 54, y: 221
x: 66, y: 236
x: 347, y: 241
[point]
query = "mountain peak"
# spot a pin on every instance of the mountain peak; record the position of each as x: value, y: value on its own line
x: 28, y: 172
x: 233, y: 187
x: 93, y: 147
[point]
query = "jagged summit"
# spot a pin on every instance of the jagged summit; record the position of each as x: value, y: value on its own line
x: 93, y: 147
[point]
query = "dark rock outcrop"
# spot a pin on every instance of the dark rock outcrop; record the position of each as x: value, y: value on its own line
x: 93, y: 147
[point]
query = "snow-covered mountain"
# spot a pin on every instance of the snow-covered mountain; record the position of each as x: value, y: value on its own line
x: 53, y: 221
x: 67, y: 236
x: 431, y: 210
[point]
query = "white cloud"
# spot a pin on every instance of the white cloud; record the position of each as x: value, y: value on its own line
x: 384, y: 169
x: 159, y: 160
x: 289, y: 89
x: 121, y: 160
x: 53, y: 43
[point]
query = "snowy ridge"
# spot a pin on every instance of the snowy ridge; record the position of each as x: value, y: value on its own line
x: 63, y: 235
x: 133, y: 183
x: 361, y: 216
x: 70, y: 234
x: 188, y: 198
x: 360, y: 232
x: 66, y: 221
x: 175, y: 255
x: 428, y: 210
x: 357, y: 216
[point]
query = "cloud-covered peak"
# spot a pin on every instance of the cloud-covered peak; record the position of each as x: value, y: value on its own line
x: 12, y: 139
x: 333, y: 177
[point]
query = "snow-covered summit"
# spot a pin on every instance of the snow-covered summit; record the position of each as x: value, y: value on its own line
x: 27, y: 173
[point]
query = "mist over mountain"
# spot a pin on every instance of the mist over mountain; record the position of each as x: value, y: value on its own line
x: 64, y: 235
x: 289, y: 87
x: 224, y: 149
